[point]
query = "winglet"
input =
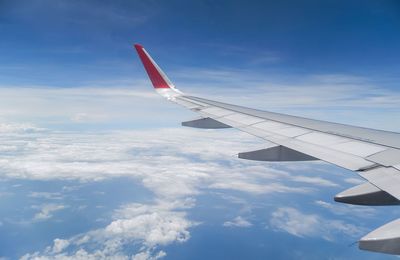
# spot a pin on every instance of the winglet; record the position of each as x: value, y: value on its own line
x: 156, y: 75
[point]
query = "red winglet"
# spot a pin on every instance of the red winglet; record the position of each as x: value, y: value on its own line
x: 157, y: 77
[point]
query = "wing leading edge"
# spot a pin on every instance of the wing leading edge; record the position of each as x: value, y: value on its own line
x: 373, y: 154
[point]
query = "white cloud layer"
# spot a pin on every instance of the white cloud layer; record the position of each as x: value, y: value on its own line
x: 180, y: 158
x: 174, y: 164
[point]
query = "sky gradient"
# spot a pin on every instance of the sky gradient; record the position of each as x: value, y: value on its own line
x: 77, y: 39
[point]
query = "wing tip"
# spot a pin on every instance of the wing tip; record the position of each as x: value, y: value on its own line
x: 138, y: 46
x: 156, y: 75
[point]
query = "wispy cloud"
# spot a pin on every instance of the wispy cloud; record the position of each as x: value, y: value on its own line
x: 248, y: 56
x: 238, y: 222
x: 46, y: 211
x: 347, y: 210
x: 88, y: 14
x: 321, y: 90
x: 297, y: 223
x: 355, y: 181
x: 46, y: 195
x: 315, y: 180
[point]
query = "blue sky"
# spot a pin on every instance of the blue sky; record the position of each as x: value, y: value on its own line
x: 260, y: 50
x: 93, y: 163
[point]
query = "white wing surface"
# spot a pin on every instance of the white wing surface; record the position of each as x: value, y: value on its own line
x: 373, y: 154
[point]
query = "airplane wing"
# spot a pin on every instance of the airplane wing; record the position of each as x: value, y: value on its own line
x: 373, y: 154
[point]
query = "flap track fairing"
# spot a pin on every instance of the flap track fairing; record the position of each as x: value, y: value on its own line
x: 276, y: 154
x: 205, y: 123
x: 366, y: 194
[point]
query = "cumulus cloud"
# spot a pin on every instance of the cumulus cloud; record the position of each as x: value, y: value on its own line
x: 150, y: 225
x: 238, y: 222
x: 155, y: 225
x: 59, y: 245
x: 300, y: 224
